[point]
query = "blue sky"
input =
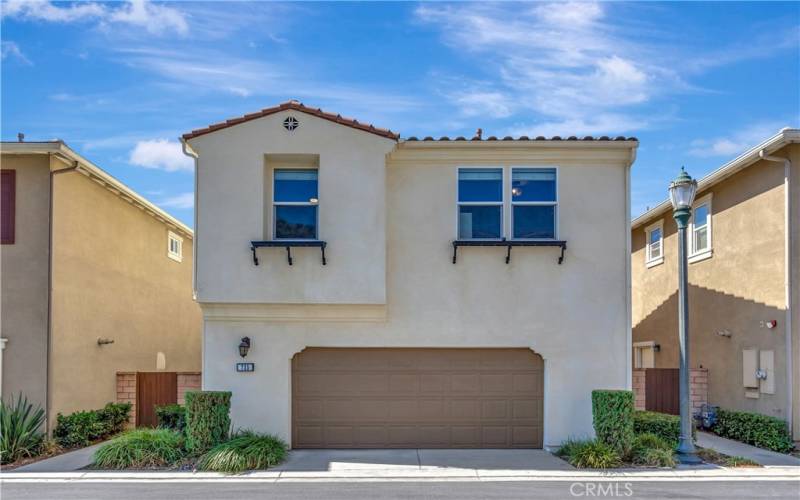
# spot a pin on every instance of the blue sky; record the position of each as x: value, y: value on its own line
x: 697, y: 83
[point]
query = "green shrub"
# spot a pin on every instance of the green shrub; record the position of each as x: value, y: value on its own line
x: 171, y: 417
x: 667, y: 427
x: 569, y: 447
x: 83, y: 427
x: 593, y: 454
x: 612, y: 416
x: 654, y: 457
x: 246, y: 451
x: 207, y: 419
x: 752, y: 428
x: 20, y: 429
x: 141, y: 448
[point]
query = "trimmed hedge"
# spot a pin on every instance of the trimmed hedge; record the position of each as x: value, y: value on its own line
x: 207, y: 419
x: 172, y: 416
x: 756, y: 429
x: 664, y: 425
x: 612, y: 417
x: 83, y: 427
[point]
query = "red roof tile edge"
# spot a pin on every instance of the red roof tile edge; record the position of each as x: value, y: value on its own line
x: 383, y: 132
x: 295, y: 106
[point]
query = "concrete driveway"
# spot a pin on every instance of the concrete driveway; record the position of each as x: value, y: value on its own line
x: 392, y: 461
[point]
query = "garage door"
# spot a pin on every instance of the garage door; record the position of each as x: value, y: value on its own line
x: 417, y: 398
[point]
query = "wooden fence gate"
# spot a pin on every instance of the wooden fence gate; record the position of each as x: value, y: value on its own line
x: 154, y: 389
x: 661, y: 390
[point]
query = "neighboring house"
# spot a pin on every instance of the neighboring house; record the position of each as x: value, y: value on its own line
x: 327, y: 246
x: 744, y: 282
x: 95, y: 280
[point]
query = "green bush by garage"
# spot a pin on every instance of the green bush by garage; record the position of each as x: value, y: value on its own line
x: 752, y: 428
x: 208, y: 419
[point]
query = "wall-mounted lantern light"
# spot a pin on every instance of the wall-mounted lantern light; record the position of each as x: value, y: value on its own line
x: 244, y: 346
x: 657, y: 348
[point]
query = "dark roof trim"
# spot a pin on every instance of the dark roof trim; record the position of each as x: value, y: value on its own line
x: 295, y: 106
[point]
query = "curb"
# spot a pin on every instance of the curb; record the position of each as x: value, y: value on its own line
x: 433, y: 475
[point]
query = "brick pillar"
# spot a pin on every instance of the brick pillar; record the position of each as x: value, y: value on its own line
x: 187, y: 381
x: 638, y: 389
x: 126, y: 393
x: 698, y: 387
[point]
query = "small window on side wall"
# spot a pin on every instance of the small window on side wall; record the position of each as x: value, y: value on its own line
x: 700, y: 230
x: 8, y: 209
x: 174, y: 246
x: 654, y: 251
x: 534, y: 203
x: 480, y: 203
x: 295, y: 204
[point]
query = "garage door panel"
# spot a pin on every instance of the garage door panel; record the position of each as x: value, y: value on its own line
x: 407, y: 398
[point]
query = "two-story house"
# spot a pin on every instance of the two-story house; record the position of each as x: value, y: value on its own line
x: 96, y: 286
x: 363, y: 291
x: 744, y: 283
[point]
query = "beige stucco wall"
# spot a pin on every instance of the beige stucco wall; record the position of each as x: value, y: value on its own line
x: 234, y: 180
x: 738, y: 289
x: 24, y: 272
x: 112, y: 279
x: 574, y: 315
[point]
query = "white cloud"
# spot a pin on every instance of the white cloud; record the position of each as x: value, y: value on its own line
x: 11, y: 49
x: 564, y: 62
x: 736, y: 143
x: 154, y: 18
x: 161, y: 154
x: 183, y: 200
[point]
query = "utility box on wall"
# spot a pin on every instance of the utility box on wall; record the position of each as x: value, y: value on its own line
x: 758, y: 372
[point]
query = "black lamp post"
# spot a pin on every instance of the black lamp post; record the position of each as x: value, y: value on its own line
x: 681, y: 195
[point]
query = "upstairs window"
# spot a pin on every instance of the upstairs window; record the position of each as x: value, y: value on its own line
x: 533, y: 203
x: 8, y: 208
x: 700, y: 230
x: 174, y: 246
x: 654, y: 253
x: 295, y: 204
x: 480, y: 203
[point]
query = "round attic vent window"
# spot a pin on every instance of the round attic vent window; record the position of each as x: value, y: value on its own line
x: 290, y: 123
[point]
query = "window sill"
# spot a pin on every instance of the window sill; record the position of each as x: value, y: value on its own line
x: 175, y: 257
x: 701, y: 256
x: 654, y: 262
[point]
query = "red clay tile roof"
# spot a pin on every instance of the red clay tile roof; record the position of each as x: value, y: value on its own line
x: 295, y: 106
x: 524, y: 138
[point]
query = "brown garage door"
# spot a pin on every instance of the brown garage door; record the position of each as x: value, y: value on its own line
x: 417, y: 398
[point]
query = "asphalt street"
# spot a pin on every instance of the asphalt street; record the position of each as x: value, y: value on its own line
x: 155, y: 490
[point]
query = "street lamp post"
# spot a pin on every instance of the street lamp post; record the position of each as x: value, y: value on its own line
x: 681, y: 195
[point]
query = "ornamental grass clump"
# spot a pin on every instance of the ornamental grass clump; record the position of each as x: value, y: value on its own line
x: 20, y: 429
x: 245, y: 451
x: 140, y: 449
x: 591, y: 454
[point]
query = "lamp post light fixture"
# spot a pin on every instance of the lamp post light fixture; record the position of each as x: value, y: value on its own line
x: 681, y: 195
x: 244, y: 346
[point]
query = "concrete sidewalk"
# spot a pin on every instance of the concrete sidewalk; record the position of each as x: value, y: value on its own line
x: 736, y: 449
x: 66, y: 462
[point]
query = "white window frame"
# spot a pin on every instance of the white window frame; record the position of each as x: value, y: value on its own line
x: 706, y: 253
x: 293, y: 203
x: 649, y: 260
x: 501, y: 203
x: 513, y: 203
x: 176, y: 256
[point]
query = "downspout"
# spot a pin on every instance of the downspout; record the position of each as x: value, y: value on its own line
x: 188, y: 151
x: 48, y: 392
x: 787, y: 169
